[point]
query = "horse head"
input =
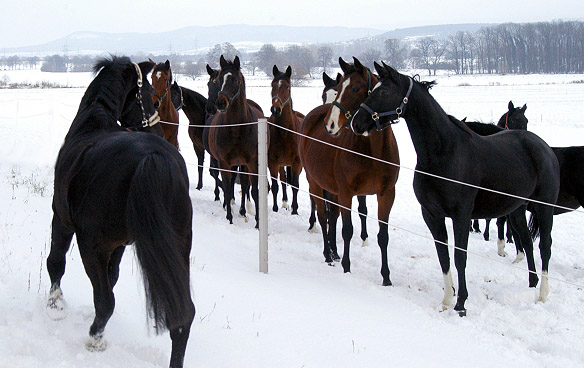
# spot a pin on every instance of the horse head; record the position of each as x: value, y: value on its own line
x: 514, y: 118
x: 161, y: 81
x: 213, y: 87
x: 329, y: 92
x: 176, y: 96
x: 280, y: 90
x: 353, y: 88
x: 138, y: 111
x: 386, y: 103
x: 232, y: 83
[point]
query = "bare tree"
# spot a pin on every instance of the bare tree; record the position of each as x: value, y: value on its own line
x: 325, y: 57
x: 395, y: 53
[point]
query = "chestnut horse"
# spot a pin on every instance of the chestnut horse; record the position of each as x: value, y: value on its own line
x: 161, y: 81
x: 234, y: 145
x: 346, y: 174
x: 283, y: 150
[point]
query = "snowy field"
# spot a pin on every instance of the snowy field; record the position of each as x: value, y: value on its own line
x: 303, y: 313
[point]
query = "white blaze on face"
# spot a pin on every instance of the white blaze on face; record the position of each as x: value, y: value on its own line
x: 227, y: 75
x: 376, y: 86
x: 331, y: 94
x: 158, y: 74
x: 333, y: 123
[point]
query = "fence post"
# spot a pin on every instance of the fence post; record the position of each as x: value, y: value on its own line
x: 263, y: 192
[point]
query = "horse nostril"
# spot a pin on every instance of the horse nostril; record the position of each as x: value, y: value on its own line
x: 157, y: 105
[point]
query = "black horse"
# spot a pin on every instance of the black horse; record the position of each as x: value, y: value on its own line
x: 115, y: 186
x: 515, y: 162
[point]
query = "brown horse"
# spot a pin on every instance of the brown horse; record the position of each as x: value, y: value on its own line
x: 346, y: 174
x: 284, y: 144
x: 161, y: 81
x: 234, y: 145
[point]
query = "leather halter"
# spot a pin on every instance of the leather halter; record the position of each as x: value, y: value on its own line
x: 507, y: 120
x: 229, y: 100
x: 398, y: 111
x: 349, y: 114
x: 154, y: 118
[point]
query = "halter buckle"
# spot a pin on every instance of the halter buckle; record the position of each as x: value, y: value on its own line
x: 375, y: 116
x: 348, y: 115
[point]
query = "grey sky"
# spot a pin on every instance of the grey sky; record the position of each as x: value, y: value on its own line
x: 30, y: 22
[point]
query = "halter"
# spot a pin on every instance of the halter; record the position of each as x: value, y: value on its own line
x: 229, y: 100
x: 277, y: 98
x: 506, y: 120
x: 182, y: 102
x: 154, y: 118
x: 399, y: 111
x: 349, y: 114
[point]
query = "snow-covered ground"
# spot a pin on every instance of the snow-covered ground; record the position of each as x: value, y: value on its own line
x: 303, y: 313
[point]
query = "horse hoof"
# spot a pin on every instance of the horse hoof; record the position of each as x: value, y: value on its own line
x: 312, y: 229
x: 275, y: 209
x: 519, y: 258
x: 96, y: 344
x: 56, y: 306
x: 365, y: 242
x: 461, y: 313
x: 285, y: 205
x: 387, y: 283
x: 199, y: 187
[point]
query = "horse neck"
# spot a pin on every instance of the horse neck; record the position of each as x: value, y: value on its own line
x: 238, y: 111
x: 100, y: 107
x: 287, y: 118
x: 167, y: 110
x: 430, y: 128
x: 194, y: 105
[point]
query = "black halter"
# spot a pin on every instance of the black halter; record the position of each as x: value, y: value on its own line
x: 398, y: 112
x: 349, y: 114
x: 230, y: 100
x: 182, y: 101
x: 154, y: 118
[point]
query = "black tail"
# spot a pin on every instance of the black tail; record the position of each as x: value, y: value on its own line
x: 159, y: 218
x: 533, y: 226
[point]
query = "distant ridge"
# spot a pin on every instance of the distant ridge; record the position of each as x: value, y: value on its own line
x: 437, y: 31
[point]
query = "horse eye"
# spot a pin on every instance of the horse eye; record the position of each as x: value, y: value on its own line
x: 356, y: 89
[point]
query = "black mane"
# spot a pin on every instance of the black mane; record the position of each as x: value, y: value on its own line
x: 110, y: 62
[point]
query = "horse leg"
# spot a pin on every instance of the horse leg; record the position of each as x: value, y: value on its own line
x: 228, y: 185
x: 545, y: 217
x: 486, y: 233
x: 385, y: 203
x: 179, y: 337
x: 363, y: 217
x: 317, y: 195
x: 475, y: 226
x: 200, y: 152
x: 460, y: 226
x: 312, y: 219
x: 509, y: 232
x: 519, y: 225
x: 332, y: 216
x: 60, y: 243
x: 274, y: 174
x: 294, y: 177
x: 347, y: 230
x: 255, y: 192
x: 437, y: 227
x: 96, y: 268
x: 244, y: 182
x: 501, y: 236
x: 113, y: 269
x: 518, y: 247
x: 215, y: 174
x: 285, y: 178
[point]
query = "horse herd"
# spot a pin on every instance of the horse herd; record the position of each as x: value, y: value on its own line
x: 118, y: 184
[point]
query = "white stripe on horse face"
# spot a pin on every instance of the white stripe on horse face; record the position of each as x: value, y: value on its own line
x: 331, y: 94
x: 158, y: 74
x: 333, y: 123
x: 225, y: 80
x: 376, y: 86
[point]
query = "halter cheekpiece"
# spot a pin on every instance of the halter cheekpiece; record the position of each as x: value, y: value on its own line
x: 154, y: 118
x: 398, y: 111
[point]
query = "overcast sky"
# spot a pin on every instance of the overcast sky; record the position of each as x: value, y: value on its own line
x: 32, y: 22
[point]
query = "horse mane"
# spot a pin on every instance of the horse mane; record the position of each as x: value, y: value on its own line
x: 111, y: 62
x: 483, y: 128
x: 428, y: 84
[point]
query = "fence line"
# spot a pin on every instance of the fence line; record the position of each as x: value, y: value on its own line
x: 452, y: 246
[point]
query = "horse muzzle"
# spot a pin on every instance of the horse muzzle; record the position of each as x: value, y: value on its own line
x: 276, y: 111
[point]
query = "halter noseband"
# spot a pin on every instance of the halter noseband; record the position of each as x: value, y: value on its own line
x: 349, y: 114
x: 277, y: 98
x: 154, y: 118
x: 229, y: 100
x: 399, y: 111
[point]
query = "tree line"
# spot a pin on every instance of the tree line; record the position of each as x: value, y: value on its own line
x: 543, y: 47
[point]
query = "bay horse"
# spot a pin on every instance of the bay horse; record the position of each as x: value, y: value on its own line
x: 193, y: 104
x: 234, y: 145
x: 329, y: 92
x: 161, y: 81
x: 345, y: 174
x: 283, y: 150
x: 515, y: 162
x: 114, y: 187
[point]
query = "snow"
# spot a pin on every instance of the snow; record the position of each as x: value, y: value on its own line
x: 303, y: 313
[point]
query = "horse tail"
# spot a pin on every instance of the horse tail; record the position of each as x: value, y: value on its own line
x: 160, y: 219
x: 533, y: 226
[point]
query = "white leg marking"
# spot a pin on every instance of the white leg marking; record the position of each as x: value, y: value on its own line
x: 544, y: 289
x: 501, y: 248
x: 448, y: 291
x: 56, y: 306
x: 520, y: 257
x: 313, y: 229
x: 285, y: 205
x: 250, y: 207
x: 96, y: 343
x: 365, y: 242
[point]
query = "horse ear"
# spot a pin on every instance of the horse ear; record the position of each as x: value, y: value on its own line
x: 236, y: 62
x: 379, y: 68
x: 150, y: 60
x: 391, y: 72
x: 524, y: 108
x: 146, y: 67
x: 463, y: 120
x: 326, y: 79
x: 275, y: 70
x: 510, y: 106
x: 339, y: 77
x: 358, y: 65
x: 167, y: 64
x: 343, y: 64
x: 222, y: 62
x: 289, y: 71
x: 210, y: 71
